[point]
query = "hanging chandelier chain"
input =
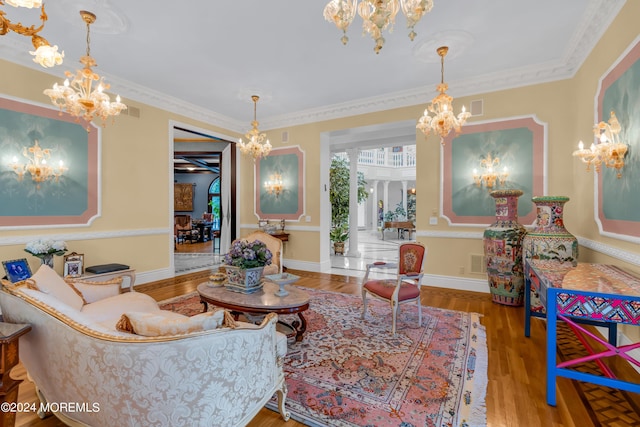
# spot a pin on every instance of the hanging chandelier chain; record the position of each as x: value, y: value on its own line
x: 88, y: 39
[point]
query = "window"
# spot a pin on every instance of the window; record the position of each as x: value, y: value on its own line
x: 214, y: 203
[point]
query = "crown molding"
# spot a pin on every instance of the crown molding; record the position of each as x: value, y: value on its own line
x: 595, y: 22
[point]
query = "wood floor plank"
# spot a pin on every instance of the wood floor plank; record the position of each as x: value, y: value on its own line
x: 516, y: 386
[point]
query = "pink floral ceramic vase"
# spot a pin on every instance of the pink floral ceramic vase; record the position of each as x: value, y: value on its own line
x: 503, y: 250
x: 549, y: 240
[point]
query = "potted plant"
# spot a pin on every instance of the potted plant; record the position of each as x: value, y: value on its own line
x: 244, y: 264
x: 338, y: 235
x: 339, y: 182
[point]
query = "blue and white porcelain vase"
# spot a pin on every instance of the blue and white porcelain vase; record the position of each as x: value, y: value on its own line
x: 245, y: 280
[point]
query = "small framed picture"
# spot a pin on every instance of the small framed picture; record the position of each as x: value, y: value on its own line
x: 263, y: 223
x: 17, y: 269
x: 76, y: 258
x: 72, y: 268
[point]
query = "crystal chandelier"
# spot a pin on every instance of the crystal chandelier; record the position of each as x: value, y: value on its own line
x: 274, y: 185
x: 79, y: 98
x: 44, y: 54
x: 256, y: 145
x: 37, y: 165
x: 489, y: 175
x: 377, y: 15
x: 608, y: 150
x: 443, y: 120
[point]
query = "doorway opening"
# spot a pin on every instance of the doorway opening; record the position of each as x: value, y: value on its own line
x: 203, y: 184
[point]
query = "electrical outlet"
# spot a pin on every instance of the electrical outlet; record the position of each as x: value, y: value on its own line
x: 461, y: 270
x: 307, y: 218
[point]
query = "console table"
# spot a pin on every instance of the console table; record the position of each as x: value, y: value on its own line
x: 401, y: 226
x: 598, y: 293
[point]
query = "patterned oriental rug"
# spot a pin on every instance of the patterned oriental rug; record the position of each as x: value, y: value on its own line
x: 350, y: 372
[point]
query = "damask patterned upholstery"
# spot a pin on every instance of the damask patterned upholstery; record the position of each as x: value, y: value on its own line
x: 218, y: 377
x: 404, y: 288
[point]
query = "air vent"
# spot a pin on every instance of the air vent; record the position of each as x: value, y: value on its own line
x: 476, y: 107
x: 285, y: 137
x: 478, y: 264
x: 131, y: 111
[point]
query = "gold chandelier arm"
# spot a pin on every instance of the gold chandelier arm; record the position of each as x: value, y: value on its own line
x: 6, y: 25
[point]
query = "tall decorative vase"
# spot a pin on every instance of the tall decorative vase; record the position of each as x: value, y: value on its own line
x: 244, y: 280
x: 549, y: 240
x: 46, y: 259
x: 503, y: 250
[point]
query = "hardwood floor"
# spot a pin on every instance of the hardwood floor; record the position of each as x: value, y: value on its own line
x: 516, y: 387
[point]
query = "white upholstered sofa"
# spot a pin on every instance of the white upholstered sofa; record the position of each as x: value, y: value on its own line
x: 74, y: 353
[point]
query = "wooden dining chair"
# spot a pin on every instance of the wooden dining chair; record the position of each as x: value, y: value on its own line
x: 404, y: 288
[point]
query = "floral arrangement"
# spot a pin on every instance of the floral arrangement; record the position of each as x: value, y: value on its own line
x: 40, y: 248
x: 245, y: 254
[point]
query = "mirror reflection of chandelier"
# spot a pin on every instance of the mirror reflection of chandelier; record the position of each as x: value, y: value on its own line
x: 443, y: 119
x: 489, y: 174
x: 377, y: 16
x: 256, y: 146
x: 44, y: 53
x: 608, y: 150
x: 78, y: 97
x: 275, y: 185
x: 37, y: 165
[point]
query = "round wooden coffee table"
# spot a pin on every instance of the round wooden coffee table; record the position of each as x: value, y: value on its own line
x: 260, y: 303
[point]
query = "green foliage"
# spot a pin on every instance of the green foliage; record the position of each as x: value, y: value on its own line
x: 339, y: 191
x: 411, y: 206
x: 339, y: 233
x: 399, y: 214
x: 215, y: 207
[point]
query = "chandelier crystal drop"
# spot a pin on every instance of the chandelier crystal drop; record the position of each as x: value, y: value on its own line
x: 257, y: 145
x: 607, y: 150
x: 37, y: 165
x: 79, y: 97
x: 443, y: 120
x: 377, y: 16
x: 44, y: 54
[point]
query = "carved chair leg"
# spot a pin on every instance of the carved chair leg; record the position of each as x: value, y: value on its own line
x: 394, y: 314
x: 364, y: 303
x: 43, y: 404
x: 282, y: 397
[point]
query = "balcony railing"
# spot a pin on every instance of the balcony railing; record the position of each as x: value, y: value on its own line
x: 389, y: 157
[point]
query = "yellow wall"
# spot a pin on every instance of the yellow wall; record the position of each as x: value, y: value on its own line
x: 135, y: 227
x: 136, y: 180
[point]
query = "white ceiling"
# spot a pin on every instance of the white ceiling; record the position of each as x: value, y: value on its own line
x: 205, y: 58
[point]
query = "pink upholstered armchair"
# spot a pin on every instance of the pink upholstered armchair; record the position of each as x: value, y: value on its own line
x: 405, y: 287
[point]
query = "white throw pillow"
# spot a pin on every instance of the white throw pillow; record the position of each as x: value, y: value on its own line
x: 92, y: 291
x: 163, y: 322
x: 46, y: 280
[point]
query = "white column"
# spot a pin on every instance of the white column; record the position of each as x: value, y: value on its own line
x: 374, y: 208
x: 385, y: 197
x: 353, y: 202
x: 404, y: 195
